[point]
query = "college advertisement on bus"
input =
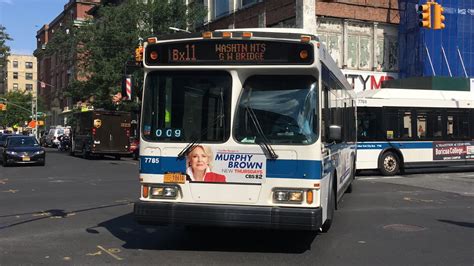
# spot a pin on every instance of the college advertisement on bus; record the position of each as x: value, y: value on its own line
x: 449, y: 150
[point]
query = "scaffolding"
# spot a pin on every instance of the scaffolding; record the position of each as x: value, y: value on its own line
x: 426, y: 52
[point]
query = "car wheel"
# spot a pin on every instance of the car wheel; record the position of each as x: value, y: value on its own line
x: 389, y: 164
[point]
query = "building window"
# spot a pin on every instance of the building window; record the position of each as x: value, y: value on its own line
x: 29, y: 87
x: 359, y: 52
x: 29, y: 76
x: 15, y: 75
x: 330, y: 32
x: 29, y: 65
x: 15, y: 86
x: 15, y: 64
x: 248, y: 2
x: 221, y: 8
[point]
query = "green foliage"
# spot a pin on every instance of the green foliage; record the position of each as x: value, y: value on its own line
x: 102, y: 46
x: 18, y: 109
x: 4, y: 51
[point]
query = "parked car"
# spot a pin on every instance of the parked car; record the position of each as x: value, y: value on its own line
x: 22, y: 150
x: 51, y: 139
x: 135, y: 148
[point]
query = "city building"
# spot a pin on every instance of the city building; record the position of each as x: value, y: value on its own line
x: 21, y: 74
x: 371, y: 41
x: 362, y: 36
x: 54, y: 71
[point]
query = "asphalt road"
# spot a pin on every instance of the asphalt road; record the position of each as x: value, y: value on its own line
x: 76, y: 211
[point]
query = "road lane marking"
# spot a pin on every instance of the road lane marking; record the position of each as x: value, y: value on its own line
x: 111, y: 252
x: 11, y: 191
x: 380, y: 177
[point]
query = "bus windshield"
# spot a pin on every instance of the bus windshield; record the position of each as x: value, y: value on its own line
x: 187, y: 106
x: 284, y: 107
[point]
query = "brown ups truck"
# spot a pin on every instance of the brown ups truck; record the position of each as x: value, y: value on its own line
x: 100, y: 132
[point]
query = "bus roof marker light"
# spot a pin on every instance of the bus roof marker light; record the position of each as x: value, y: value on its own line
x: 207, y: 35
x: 247, y: 34
x: 152, y: 40
x: 305, y: 38
x: 226, y: 35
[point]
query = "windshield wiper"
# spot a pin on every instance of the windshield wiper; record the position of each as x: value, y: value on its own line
x: 265, y: 144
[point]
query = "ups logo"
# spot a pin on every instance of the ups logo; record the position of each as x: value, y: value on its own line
x: 97, y: 123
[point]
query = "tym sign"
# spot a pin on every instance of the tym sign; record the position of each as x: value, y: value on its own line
x: 367, y: 80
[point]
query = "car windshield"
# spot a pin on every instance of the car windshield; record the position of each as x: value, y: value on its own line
x: 284, y: 110
x: 21, y: 142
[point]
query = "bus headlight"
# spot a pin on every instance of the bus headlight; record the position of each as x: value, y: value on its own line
x: 164, y: 192
x: 288, y: 196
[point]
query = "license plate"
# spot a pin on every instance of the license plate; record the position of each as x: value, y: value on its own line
x: 175, y: 178
x: 26, y: 159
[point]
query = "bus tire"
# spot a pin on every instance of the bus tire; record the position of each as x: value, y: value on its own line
x: 331, y: 207
x: 389, y: 164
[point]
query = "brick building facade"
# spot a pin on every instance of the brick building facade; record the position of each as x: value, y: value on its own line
x: 361, y: 35
x: 54, y: 72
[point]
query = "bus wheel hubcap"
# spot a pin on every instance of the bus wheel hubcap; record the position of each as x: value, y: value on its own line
x: 390, y: 163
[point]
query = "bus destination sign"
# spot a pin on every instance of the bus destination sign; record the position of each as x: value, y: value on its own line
x: 233, y: 52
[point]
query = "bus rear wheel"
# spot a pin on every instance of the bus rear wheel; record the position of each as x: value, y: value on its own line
x: 389, y: 164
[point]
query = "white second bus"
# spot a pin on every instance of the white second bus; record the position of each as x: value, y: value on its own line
x: 402, y: 128
x: 248, y: 127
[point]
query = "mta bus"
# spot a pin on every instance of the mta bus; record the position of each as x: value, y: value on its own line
x: 244, y: 128
x: 406, y: 128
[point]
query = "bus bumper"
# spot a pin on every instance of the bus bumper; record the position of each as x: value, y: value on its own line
x: 169, y: 213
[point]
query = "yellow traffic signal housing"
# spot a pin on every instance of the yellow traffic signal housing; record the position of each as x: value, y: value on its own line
x: 425, y: 15
x: 139, y: 54
x: 438, y: 17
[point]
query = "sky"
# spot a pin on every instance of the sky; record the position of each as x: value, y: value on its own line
x: 23, y: 18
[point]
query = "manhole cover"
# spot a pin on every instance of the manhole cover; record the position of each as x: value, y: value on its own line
x: 404, y: 227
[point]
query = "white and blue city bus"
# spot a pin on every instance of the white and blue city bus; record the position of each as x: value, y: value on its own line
x: 406, y: 128
x: 246, y: 128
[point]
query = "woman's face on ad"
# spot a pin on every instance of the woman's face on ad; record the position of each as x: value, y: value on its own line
x: 198, y: 159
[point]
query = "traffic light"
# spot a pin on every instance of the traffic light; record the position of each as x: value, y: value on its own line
x: 438, y: 17
x: 139, y: 54
x: 425, y: 15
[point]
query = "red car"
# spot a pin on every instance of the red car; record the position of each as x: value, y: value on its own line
x: 135, y: 147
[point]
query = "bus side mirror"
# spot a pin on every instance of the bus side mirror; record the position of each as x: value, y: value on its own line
x: 335, y: 133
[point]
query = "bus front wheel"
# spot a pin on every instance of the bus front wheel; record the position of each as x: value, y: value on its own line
x: 389, y: 164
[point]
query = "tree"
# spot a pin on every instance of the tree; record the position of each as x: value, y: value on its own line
x: 104, y: 44
x: 18, y: 109
x: 4, y: 53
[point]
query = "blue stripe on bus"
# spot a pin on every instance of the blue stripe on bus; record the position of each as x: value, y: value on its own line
x: 297, y: 169
x: 398, y: 145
